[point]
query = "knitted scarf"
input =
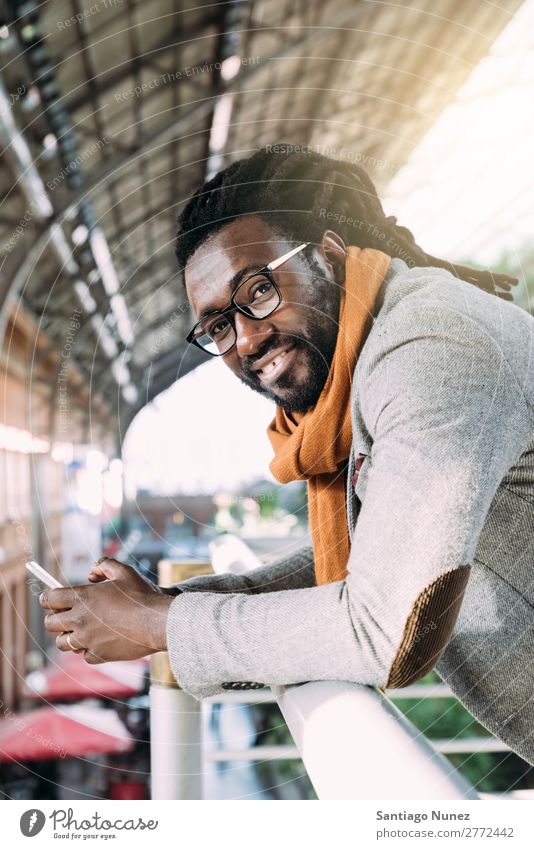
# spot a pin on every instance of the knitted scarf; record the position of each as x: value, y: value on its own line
x: 315, y: 445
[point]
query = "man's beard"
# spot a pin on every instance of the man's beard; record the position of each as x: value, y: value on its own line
x: 315, y: 342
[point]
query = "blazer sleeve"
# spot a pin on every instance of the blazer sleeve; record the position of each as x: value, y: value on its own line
x: 294, y: 570
x: 447, y: 418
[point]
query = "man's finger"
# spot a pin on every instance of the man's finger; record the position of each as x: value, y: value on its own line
x: 59, y: 599
x: 63, y: 644
x: 58, y: 622
x: 96, y: 573
x: 92, y: 659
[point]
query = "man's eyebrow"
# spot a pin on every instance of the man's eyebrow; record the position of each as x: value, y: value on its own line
x: 232, y: 285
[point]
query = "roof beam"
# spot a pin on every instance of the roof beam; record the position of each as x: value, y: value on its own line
x: 109, y: 79
x: 169, y: 130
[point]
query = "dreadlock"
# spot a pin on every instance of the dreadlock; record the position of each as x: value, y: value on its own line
x: 300, y: 193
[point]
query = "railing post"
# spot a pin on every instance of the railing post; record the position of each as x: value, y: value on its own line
x: 175, y: 716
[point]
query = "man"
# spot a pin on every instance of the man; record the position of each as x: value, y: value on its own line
x: 404, y: 396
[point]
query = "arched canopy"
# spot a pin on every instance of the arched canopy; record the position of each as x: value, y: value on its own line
x: 107, y: 121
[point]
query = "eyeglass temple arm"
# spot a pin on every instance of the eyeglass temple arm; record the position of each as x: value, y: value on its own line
x: 285, y: 257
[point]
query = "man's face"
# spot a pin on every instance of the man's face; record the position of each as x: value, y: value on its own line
x: 299, y: 336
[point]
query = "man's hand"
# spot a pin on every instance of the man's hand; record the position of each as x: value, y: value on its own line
x: 123, y: 618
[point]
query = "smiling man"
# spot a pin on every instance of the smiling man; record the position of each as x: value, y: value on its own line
x: 279, y: 345
x: 404, y: 393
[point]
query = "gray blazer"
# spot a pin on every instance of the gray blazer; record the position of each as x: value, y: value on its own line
x: 442, y: 410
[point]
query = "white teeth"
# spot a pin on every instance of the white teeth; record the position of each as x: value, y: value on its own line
x: 268, y: 368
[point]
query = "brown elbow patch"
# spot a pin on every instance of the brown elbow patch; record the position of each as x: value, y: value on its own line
x: 429, y: 627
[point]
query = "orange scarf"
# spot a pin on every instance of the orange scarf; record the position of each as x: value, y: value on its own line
x: 315, y: 445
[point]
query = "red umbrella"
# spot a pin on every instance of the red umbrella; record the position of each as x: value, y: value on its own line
x: 66, y: 731
x: 70, y: 677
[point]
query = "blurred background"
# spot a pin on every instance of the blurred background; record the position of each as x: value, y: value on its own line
x: 118, y: 438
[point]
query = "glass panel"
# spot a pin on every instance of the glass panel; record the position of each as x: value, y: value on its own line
x: 3, y: 486
x: 12, y: 484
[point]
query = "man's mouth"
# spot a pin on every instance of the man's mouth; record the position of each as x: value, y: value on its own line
x: 273, y: 368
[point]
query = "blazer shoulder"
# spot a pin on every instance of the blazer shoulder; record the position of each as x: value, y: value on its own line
x: 425, y: 314
x: 421, y: 345
x: 414, y: 317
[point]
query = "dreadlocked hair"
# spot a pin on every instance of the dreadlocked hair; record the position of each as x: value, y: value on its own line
x: 300, y: 193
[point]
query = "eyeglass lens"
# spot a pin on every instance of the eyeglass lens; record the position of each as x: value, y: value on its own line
x: 256, y: 296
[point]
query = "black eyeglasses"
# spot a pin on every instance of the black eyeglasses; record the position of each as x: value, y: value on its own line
x: 257, y: 297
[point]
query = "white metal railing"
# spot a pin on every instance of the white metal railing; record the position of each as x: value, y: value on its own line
x: 356, y: 744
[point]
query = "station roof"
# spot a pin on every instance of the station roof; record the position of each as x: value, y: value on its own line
x: 111, y: 116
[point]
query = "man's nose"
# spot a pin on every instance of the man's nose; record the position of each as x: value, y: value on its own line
x: 250, y: 333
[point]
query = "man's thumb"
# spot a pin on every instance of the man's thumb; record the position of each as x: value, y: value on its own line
x: 108, y: 568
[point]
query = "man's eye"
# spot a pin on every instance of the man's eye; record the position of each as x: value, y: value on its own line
x: 218, y: 328
x: 260, y: 290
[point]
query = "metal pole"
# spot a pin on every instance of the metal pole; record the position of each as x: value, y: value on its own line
x: 175, y: 737
x: 175, y: 716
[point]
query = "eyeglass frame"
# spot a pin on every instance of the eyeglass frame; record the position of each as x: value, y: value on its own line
x: 266, y: 271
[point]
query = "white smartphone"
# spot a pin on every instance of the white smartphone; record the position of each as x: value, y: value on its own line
x: 42, y: 574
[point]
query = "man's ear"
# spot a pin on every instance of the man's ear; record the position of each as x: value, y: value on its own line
x: 334, y: 251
